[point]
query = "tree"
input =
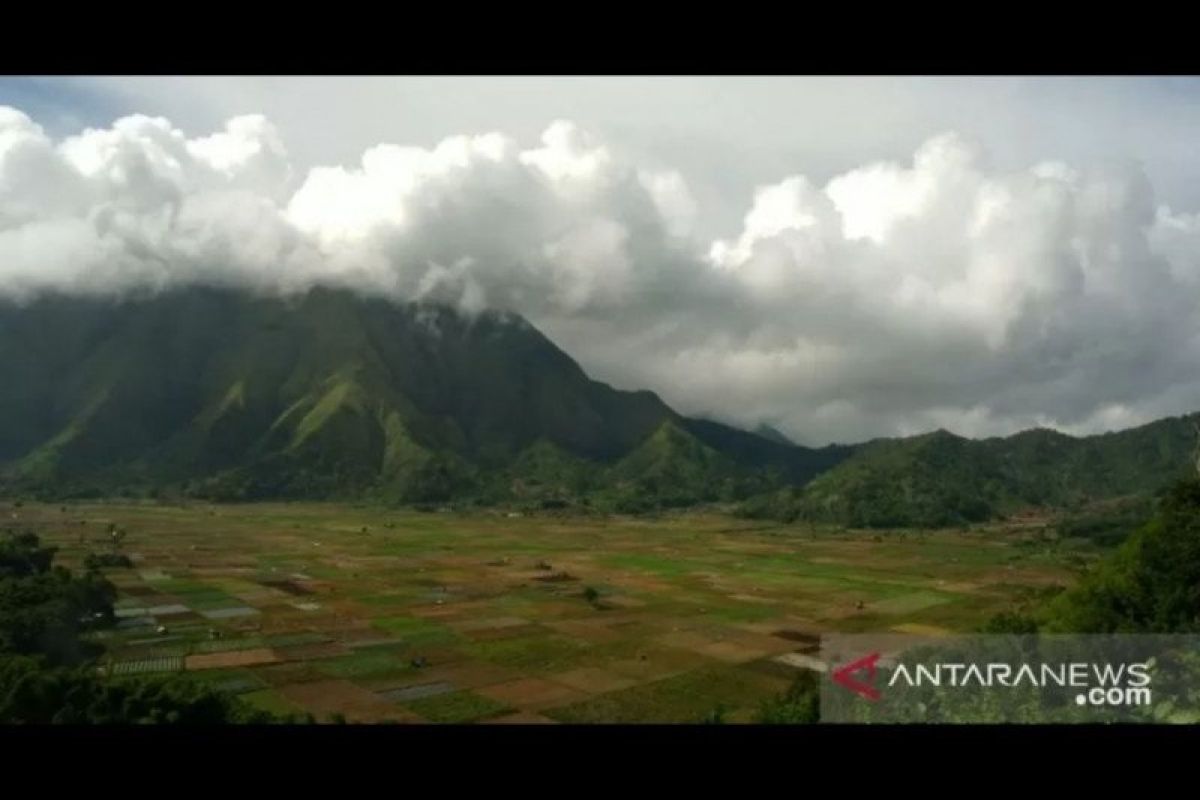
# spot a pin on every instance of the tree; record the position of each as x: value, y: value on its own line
x: 21, y: 554
x: 44, y: 608
x: 47, y: 669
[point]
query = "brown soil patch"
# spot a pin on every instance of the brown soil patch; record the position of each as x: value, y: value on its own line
x: 307, y: 652
x: 557, y: 577
x: 624, y: 602
x: 520, y: 718
x: 490, y: 624
x: 532, y: 693
x: 758, y: 641
x: 290, y: 673
x: 659, y: 663
x: 922, y: 630
x: 354, y: 636
x: 592, y: 680
x: 753, y: 598
x: 336, y: 626
x: 438, y: 612
x: 800, y: 637
x: 232, y: 658
x: 289, y: 587
x: 731, y: 652
x: 687, y: 640
x: 652, y: 585
x: 260, y: 597
x: 471, y: 675
x: 592, y: 631
x: 322, y: 698
x: 505, y: 633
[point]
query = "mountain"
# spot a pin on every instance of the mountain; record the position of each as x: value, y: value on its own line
x: 329, y: 394
x: 941, y: 479
x: 767, y: 432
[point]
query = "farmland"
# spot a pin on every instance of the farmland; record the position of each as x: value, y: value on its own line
x: 371, y: 614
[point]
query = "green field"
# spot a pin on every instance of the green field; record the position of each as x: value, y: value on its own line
x: 381, y: 615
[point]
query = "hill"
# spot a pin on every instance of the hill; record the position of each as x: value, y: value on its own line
x: 940, y: 479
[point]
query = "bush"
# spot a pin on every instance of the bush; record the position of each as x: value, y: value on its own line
x: 799, y: 705
x: 97, y: 561
x: 1010, y: 622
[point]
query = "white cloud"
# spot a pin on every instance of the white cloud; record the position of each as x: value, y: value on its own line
x: 893, y: 298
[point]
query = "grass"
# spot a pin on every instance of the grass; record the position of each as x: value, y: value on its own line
x: 457, y: 707
x: 686, y: 698
x: 417, y: 632
x: 272, y: 701
x: 363, y: 665
x: 533, y: 654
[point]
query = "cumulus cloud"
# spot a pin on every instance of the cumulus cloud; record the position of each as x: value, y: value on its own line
x: 894, y: 298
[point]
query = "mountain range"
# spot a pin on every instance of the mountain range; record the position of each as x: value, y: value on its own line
x: 231, y: 395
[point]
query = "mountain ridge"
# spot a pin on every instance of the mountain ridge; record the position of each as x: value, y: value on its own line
x: 939, y: 478
x: 329, y: 394
x: 324, y: 394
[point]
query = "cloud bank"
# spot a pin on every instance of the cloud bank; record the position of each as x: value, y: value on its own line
x: 893, y: 299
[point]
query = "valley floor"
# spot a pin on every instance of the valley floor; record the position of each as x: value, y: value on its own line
x: 384, y: 615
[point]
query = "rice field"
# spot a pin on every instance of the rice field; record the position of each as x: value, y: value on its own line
x: 382, y: 615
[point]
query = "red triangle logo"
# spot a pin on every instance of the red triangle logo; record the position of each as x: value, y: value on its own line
x: 843, y: 675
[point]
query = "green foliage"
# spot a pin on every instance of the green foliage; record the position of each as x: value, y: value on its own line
x: 799, y: 705
x: 47, y: 671
x: 22, y: 555
x: 1011, y: 622
x: 1110, y: 524
x: 43, y: 608
x: 1150, y: 584
x: 30, y: 692
x: 942, y: 480
x: 97, y: 561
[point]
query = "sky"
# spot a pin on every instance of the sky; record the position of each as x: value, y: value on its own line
x: 841, y: 258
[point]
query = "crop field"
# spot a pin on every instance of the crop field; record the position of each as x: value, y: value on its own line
x: 379, y: 615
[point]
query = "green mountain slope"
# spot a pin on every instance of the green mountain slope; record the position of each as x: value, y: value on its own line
x: 326, y: 394
x: 941, y: 479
